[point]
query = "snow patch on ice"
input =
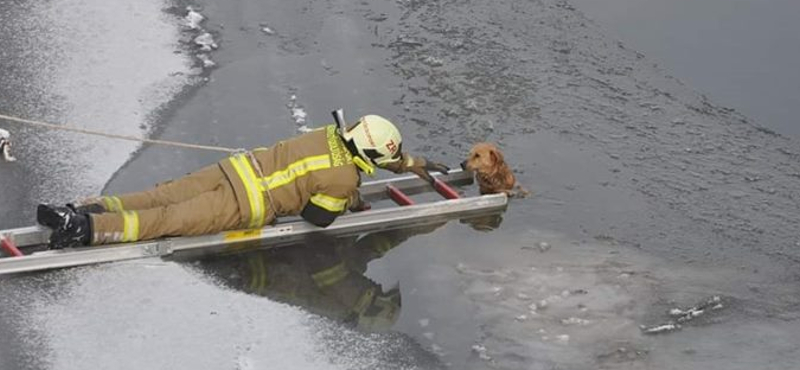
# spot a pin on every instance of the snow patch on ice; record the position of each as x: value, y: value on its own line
x: 200, y: 38
x: 207, y: 62
x: 193, y: 18
x: 267, y: 30
x: 298, y: 115
x: 206, y: 41
x: 140, y: 322
x: 99, y: 67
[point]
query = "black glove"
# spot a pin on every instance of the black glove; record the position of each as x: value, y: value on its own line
x: 421, y: 166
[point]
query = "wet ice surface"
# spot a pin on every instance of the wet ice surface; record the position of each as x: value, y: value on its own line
x: 647, y: 197
x: 76, y: 320
x: 91, y: 66
x: 499, y: 301
x: 708, y: 183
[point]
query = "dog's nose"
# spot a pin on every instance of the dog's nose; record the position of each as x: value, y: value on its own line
x: 464, y: 165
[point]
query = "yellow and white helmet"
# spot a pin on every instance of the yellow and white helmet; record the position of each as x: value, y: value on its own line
x: 375, y: 139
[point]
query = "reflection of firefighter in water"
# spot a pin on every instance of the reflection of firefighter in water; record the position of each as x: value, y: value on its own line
x: 327, y: 280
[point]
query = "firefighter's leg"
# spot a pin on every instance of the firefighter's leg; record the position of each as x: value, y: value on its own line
x: 170, y: 192
x: 209, y: 212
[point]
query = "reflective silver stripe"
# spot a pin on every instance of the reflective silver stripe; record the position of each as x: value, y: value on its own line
x: 295, y: 170
x: 329, y: 203
x: 113, y: 204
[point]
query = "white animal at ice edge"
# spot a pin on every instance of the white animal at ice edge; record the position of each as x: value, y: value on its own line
x: 5, y: 145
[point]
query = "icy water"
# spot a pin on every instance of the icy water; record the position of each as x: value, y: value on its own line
x: 648, y: 197
x: 742, y: 53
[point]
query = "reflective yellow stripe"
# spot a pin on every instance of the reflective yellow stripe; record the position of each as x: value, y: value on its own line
x: 364, y: 301
x: 130, y: 229
x: 364, y: 166
x: 383, y: 245
x: 113, y: 204
x: 258, y: 274
x: 295, y: 170
x: 330, y: 276
x: 329, y: 203
x: 339, y: 154
x: 254, y: 192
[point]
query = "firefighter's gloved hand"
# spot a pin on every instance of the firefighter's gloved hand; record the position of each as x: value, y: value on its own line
x: 360, y: 205
x: 421, y: 166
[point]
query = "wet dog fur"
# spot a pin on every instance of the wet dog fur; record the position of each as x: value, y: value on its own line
x: 491, y: 171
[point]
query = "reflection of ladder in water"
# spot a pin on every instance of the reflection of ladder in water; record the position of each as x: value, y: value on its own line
x: 30, y: 242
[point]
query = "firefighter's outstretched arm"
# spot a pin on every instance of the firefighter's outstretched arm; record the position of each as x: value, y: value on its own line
x: 417, y: 165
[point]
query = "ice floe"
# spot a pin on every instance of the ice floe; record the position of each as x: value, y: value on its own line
x: 206, y: 42
x: 207, y: 62
x: 193, y: 18
x: 298, y: 115
x: 196, y: 35
x: 266, y: 29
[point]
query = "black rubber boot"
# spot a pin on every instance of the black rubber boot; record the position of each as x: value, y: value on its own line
x: 70, y: 229
x: 52, y: 216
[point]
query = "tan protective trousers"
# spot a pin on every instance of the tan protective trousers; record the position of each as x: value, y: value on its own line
x: 202, y: 202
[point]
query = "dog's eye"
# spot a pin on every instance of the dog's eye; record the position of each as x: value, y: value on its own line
x: 477, y: 155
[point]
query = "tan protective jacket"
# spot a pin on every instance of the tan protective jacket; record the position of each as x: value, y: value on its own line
x: 314, y: 167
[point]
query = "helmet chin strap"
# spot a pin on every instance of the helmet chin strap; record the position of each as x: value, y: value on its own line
x: 363, y: 165
x: 338, y: 116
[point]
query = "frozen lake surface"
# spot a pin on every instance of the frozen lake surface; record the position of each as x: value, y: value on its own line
x: 648, y: 197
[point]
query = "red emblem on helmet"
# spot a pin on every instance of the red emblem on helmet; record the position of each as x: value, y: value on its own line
x: 391, y: 146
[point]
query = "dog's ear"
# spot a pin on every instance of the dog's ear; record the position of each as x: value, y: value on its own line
x: 496, y: 155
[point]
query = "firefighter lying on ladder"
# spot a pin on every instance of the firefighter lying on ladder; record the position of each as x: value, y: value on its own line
x: 315, y: 175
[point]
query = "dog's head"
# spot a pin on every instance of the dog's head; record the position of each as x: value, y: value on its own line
x: 483, y: 158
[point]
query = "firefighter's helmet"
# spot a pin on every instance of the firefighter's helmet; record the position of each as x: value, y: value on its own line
x: 382, y: 312
x: 375, y: 139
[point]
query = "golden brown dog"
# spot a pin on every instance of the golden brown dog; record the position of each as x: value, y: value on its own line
x: 492, y: 172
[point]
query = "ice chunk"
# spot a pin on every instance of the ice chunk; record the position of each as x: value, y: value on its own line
x: 575, y: 321
x: 544, y: 246
x: 206, y: 42
x: 689, y: 314
x: 432, y: 61
x: 299, y: 115
x: 193, y: 18
x: 543, y: 304
x: 481, y: 351
x: 658, y: 329
x: 207, y: 62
